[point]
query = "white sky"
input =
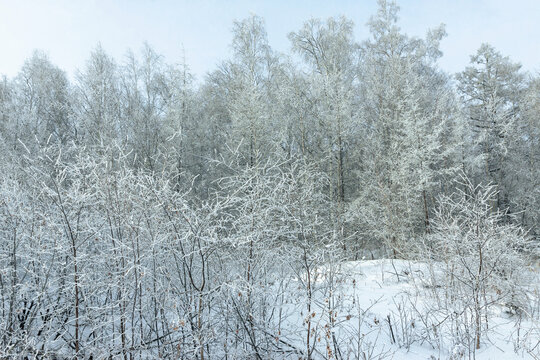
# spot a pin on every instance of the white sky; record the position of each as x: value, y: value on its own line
x: 69, y: 29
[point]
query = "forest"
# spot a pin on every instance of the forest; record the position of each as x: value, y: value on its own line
x: 346, y: 200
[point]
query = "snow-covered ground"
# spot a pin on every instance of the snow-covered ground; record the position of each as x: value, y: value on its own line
x: 383, y: 309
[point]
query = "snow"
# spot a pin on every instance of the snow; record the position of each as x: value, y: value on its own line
x: 371, y: 292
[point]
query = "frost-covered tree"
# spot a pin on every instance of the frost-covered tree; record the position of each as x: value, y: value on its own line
x: 523, y: 166
x: 483, y: 259
x: 6, y: 108
x: 245, y: 82
x: 329, y: 49
x: 143, y: 90
x: 184, y: 133
x: 408, y: 120
x: 43, y: 103
x: 491, y: 87
x: 98, y: 92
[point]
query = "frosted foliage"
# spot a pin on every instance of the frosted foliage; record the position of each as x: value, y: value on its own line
x: 343, y: 199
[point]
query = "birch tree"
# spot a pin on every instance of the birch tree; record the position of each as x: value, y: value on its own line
x: 98, y: 93
x: 329, y: 49
x: 44, y: 109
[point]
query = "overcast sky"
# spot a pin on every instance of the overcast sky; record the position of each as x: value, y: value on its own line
x: 69, y: 29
